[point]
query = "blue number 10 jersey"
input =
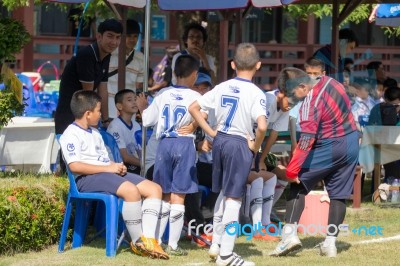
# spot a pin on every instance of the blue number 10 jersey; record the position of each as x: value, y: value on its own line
x: 170, y: 111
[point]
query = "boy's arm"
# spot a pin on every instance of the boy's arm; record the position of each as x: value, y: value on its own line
x: 255, y: 145
x: 80, y: 168
x: 129, y: 159
x: 194, y: 110
x: 271, y: 139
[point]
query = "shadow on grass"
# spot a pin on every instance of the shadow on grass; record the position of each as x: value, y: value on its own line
x: 312, y: 241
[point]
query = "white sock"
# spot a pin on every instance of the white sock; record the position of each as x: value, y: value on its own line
x: 256, y: 200
x: 231, y: 216
x: 217, y: 219
x: 330, y: 241
x: 279, y: 188
x: 162, y: 220
x: 268, y: 198
x: 175, y: 224
x: 132, y: 215
x: 150, y: 212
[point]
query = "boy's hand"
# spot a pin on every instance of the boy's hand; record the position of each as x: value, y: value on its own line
x: 141, y: 102
x: 118, y: 168
x: 252, y: 144
x: 291, y: 180
x: 262, y: 166
x: 205, y: 145
x: 186, y: 129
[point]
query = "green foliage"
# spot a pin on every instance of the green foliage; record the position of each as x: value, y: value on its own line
x: 13, y: 37
x: 31, y: 215
x: 9, y: 106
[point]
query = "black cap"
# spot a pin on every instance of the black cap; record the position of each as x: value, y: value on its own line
x: 132, y: 27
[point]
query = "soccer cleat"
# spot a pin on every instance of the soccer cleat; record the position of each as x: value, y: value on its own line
x: 151, y: 247
x: 203, y: 241
x: 136, y: 250
x: 290, y: 244
x: 329, y: 251
x: 233, y: 260
x: 176, y: 252
x: 213, y: 252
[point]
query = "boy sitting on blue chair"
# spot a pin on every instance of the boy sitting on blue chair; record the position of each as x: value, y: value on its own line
x: 86, y: 156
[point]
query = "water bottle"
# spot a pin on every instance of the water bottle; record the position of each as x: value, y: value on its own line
x: 395, y: 193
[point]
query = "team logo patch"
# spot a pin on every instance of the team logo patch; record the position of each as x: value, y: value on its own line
x: 70, y: 147
x: 234, y: 89
x: 263, y: 102
x: 176, y: 97
x: 116, y: 135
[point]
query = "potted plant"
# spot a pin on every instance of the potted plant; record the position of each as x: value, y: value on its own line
x: 13, y: 37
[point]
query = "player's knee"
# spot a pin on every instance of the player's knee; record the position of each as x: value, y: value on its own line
x: 129, y: 192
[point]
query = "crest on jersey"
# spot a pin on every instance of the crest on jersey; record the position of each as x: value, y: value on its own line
x: 234, y: 89
x: 176, y: 97
x: 263, y: 103
x: 116, y: 135
x: 70, y: 147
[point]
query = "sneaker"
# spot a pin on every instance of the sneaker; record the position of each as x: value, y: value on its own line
x: 234, y: 260
x: 152, y: 248
x: 203, y: 241
x: 290, y: 244
x: 176, y: 252
x: 329, y: 251
x: 213, y: 252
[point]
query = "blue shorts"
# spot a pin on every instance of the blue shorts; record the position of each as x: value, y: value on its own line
x: 232, y: 160
x: 105, y: 182
x: 333, y: 160
x: 175, y: 166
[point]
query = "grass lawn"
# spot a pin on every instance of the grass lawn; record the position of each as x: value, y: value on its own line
x: 353, y: 249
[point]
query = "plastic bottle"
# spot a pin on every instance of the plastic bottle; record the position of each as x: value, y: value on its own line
x: 395, y: 193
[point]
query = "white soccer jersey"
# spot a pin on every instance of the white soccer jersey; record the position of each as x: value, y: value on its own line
x: 277, y: 120
x: 170, y: 111
x: 85, y: 146
x: 124, y: 135
x: 237, y: 103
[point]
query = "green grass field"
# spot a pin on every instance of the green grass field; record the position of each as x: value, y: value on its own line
x: 353, y: 249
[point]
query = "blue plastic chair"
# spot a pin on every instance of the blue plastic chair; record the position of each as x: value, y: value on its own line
x: 83, y: 206
x: 112, y: 146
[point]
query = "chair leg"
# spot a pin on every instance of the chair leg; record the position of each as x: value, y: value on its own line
x: 112, y: 214
x: 81, y: 222
x: 65, y: 225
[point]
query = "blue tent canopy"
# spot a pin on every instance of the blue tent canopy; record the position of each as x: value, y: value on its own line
x: 388, y: 15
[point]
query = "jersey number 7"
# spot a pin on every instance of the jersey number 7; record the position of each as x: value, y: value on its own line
x: 231, y: 103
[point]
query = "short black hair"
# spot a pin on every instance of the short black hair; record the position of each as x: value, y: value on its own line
x: 132, y: 27
x: 349, y: 35
x: 185, y: 65
x: 119, y: 97
x: 291, y: 77
x: 314, y: 62
x: 110, y: 24
x: 196, y: 26
x: 83, y: 101
x: 389, y: 82
x: 392, y: 94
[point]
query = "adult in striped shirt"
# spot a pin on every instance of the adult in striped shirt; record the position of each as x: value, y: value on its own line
x: 327, y: 150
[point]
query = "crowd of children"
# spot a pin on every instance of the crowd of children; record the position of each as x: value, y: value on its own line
x: 213, y: 137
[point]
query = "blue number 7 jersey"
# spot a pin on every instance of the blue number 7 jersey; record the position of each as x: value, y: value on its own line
x: 237, y: 103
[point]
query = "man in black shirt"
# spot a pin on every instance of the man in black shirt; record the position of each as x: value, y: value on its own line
x: 88, y: 70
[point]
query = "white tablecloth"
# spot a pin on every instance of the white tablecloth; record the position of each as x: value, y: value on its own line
x: 28, y: 144
x: 385, y: 137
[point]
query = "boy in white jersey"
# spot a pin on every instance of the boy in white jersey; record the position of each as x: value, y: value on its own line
x: 123, y: 129
x: 238, y: 104
x: 174, y: 167
x: 86, y: 156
